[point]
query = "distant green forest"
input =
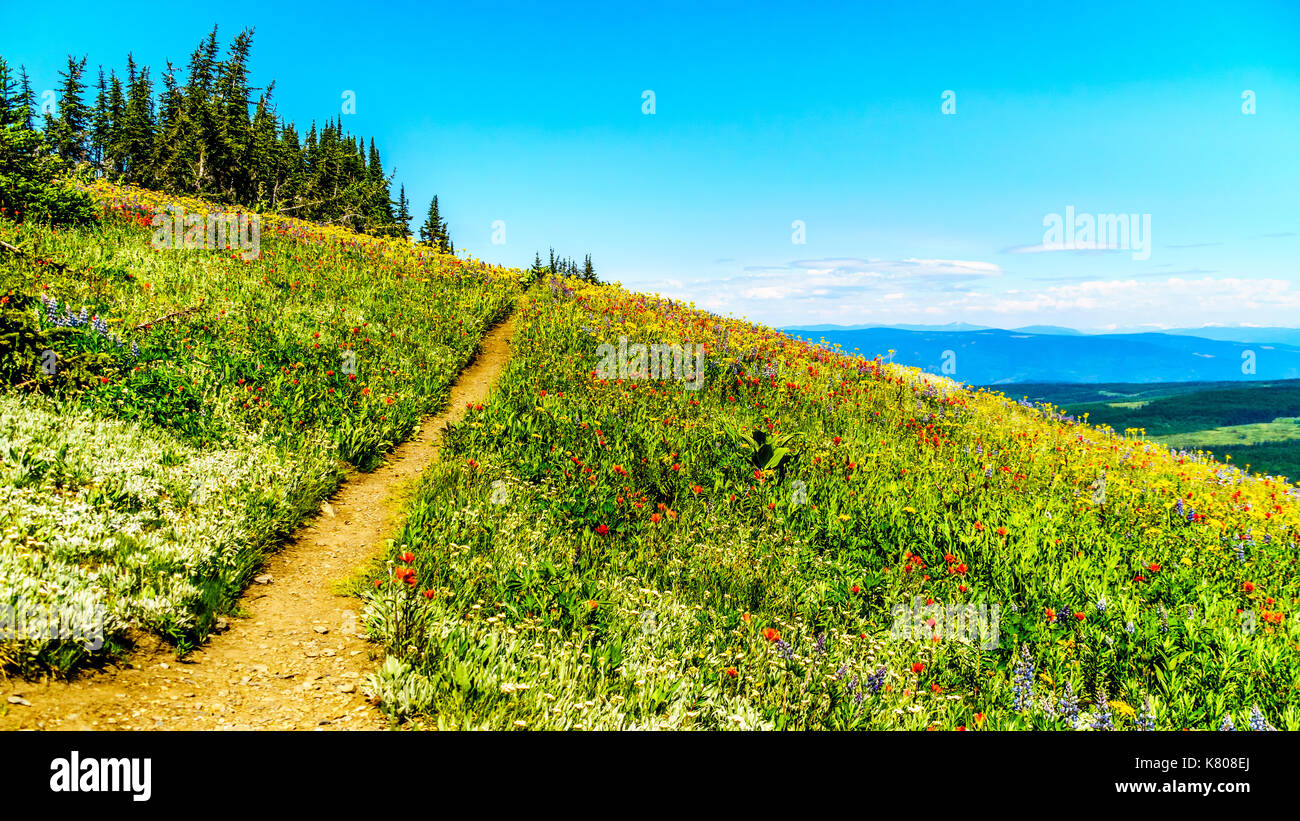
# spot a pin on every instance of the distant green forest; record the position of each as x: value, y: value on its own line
x: 1253, y: 422
x: 1198, y: 411
x: 1067, y: 393
x: 1277, y: 458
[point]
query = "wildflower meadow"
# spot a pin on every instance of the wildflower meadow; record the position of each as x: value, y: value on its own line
x: 173, y: 413
x: 604, y: 551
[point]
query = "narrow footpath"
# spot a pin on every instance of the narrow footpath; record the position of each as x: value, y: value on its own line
x: 298, y: 656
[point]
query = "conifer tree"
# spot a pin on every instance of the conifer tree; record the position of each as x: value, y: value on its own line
x: 403, y: 213
x: 9, y: 96
x: 99, y: 123
x: 434, y: 230
x: 136, y: 133
x: 66, y: 129
x: 26, y: 99
x: 208, y: 132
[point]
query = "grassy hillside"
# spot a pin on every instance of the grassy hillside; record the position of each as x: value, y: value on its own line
x: 795, y: 543
x: 800, y: 539
x: 168, y: 415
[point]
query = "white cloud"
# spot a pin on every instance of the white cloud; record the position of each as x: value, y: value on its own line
x: 932, y: 291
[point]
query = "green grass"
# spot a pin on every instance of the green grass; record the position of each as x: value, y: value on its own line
x: 152, y: 470
x: 1279, y: 430
x: 610, y: 554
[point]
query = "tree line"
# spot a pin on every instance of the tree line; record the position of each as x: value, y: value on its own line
x: 564, y: 266
x: 208, y: 132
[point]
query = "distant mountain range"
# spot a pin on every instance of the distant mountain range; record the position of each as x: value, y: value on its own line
x: 1046, y: 353
x: 1224, y: 333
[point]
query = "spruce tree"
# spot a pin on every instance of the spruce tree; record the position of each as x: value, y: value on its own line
x: 232, y: 148
x: 100, y: 123
x: 9, y: 94
x: 403, y: 213
x: 136, y: 133
x: 26, y: 99
x: 434, y: 230
x: 67, y: 128
x: 429, y: 229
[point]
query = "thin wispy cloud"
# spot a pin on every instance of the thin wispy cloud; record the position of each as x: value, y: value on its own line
x: 855, y: 291
x: 1056, y: 247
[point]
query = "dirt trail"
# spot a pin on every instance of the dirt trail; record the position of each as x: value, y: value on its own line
x: 298, y: 658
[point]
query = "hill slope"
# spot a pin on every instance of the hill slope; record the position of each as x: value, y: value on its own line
x: 609, y: 551
x: 171, y: 414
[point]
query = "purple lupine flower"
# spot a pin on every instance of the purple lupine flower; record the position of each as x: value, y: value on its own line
x: 1102, y: 720
x: 783, y: 647
x: 1022, y: 685
x: 1147, y: 720
x: 1257, y: 721
x: 1068, y: 707
x: 877, y: 679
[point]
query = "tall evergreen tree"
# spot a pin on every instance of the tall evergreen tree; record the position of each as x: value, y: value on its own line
x: 136, y: 132
x: 209, y: 133
x: 403, y: 213
x: 434, y: 230
x: 9, y: 96
x: 26, y: 98
x: 233, y: 143
x: 99, y: 123
x: 67, y: 129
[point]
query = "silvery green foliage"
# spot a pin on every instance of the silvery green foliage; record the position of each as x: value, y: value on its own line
x: 96, y: 510
x: 399, y: 689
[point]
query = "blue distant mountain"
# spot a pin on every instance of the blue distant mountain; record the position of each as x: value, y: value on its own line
x: 949, y: 328
x: 993, y: 356
x: 1056, y: 330
x: 1242, y: 333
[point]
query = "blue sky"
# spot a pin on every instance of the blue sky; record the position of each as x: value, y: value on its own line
x: 768, y: 114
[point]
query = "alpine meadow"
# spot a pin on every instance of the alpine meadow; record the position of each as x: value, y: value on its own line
x: 277, y: 453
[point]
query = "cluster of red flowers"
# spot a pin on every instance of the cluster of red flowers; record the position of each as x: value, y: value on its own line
x: 911, y: 562
x: 405, y: 574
